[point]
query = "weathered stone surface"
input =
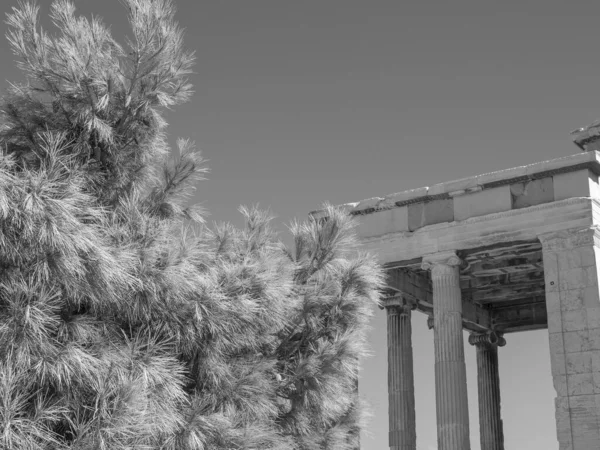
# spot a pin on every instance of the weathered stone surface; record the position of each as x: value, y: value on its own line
x: 560, y: 384
x: 571, y: 300
x: 515, y: 225
x: 554, y: 322
x: 570, y: 265
x: 383, y: 222
x: 593, y: 338
x: 587, y: 138
x: 558, y: 363
x: 531, y: 193
x: 404, y: 196
x: 556, y: 201
x: 560, y: 164
x: 557, y: 342
x: 574, y: 320
x: 593, y: 316
x: 348, y: 207
x: 368, y: 203
x: 436, y: 211
x: 481, y: 203
x: 565, y: 164
x: 579, y: 384
x: 582, y: 183
x: 574, y: 341
x: 437, y: 189
x: 464, y: 184
x: 578, y: 362
x: 553, y: 303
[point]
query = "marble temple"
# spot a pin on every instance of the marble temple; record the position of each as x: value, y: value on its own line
x: 494, y: 254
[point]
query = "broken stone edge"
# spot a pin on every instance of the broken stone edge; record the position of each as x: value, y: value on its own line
x: 588, y: 160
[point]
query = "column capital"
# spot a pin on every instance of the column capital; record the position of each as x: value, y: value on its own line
x: 441, y: 261
x: 571, y: 238
x: 399, y: 304
x: 489, y: 339
x: 430, y: 323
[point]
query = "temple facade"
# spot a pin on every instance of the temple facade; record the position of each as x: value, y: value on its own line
x: 493, y: 254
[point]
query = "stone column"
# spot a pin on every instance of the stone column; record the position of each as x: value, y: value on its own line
x: 571, y: 262
x: 450, y: 372
x: 488, y: 387
x: 401, y: 386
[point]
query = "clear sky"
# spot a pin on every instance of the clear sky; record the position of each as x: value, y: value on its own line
x: 300, y: 102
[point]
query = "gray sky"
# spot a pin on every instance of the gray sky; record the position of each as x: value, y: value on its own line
x: 300, y: 102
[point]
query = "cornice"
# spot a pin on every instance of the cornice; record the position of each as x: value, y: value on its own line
x: 477, y: 183
x: 481, y: 219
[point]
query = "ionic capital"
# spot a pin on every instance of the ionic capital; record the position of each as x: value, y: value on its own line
x: 441, y: 263
x: 430, y: 323
x: 399, y: 305
x: 571, y: 238
x: 488, y: 339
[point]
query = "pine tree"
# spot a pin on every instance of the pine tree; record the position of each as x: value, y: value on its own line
x: 125, y: 321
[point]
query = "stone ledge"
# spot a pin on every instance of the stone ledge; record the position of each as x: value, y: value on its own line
x: 514, y: 225
x: 479, y: 219
x: 465, y: 186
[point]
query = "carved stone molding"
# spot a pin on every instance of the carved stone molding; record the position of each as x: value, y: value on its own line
x: 491, y: 338
x: 399, y: 305
x: 430, y: 323
x: 396, y: 235
x: 441, y: 264
x: 569, y: 239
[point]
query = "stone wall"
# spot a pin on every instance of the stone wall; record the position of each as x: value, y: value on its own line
x: 571, y: 262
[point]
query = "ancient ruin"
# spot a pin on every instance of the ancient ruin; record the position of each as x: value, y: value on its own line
x: 493, y: 254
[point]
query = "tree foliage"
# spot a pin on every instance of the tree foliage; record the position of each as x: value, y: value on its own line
x: 126, y: 322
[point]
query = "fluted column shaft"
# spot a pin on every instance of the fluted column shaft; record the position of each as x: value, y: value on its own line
x: 401, y: 386
x: 450, y: 371
x: 488, y: 386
